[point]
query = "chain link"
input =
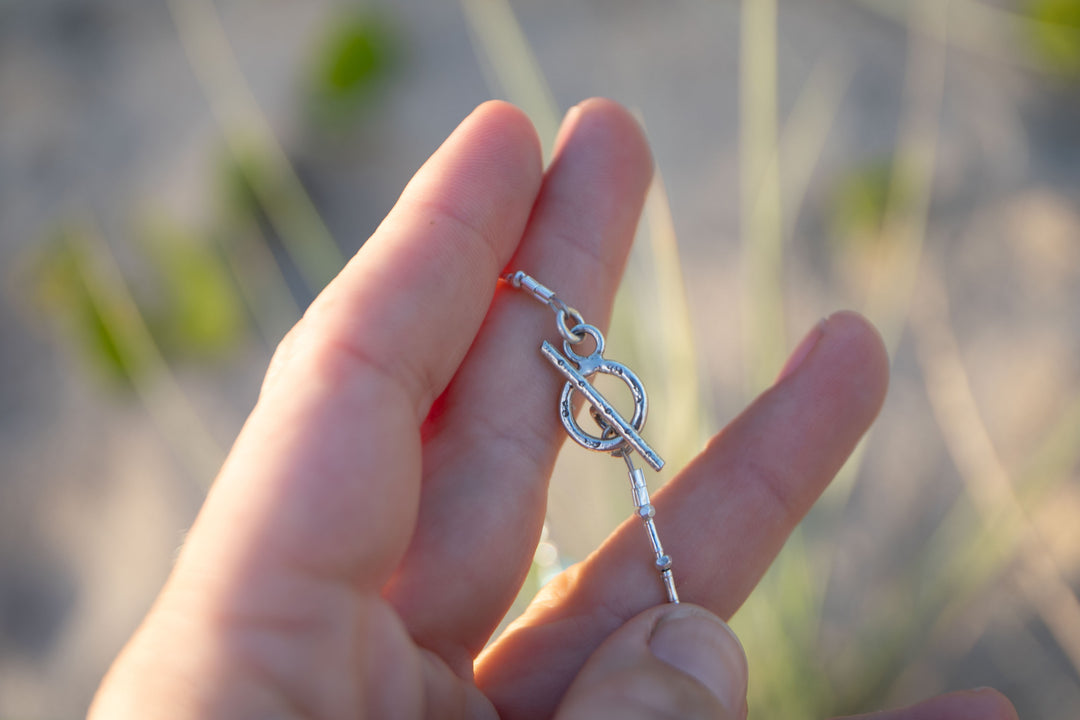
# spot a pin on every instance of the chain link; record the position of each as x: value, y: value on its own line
x: 547, y: 296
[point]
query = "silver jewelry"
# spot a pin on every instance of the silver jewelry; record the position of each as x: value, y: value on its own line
x: 617, y: 436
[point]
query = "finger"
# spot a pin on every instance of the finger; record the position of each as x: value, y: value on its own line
x: 336, y: 433
x: 670, y: 661
x: 412, y: 299
x: 492, y: 440
x: 981, y: 704
x: 723, y: 519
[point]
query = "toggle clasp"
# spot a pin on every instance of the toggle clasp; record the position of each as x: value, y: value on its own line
x: 625, y: 432
x: 618, y: 436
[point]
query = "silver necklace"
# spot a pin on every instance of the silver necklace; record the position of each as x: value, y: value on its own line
x: 619, y: 437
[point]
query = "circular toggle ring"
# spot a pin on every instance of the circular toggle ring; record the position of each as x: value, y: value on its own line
x: 607, y: 367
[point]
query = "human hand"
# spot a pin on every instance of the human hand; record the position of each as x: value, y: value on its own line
x: 382, y: 504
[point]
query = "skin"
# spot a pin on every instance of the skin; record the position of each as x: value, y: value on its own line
x: 381, y: 506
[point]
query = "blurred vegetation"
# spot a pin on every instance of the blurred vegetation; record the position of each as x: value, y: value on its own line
x: 193, y: 309
x: 197, y: 290
x: 859, y: 203
x: 163, y: 295
x: 200, y: 292
x: 356, y: 58
x: 1054, y: 35
x: 63, y: 291
x: 184, y: 297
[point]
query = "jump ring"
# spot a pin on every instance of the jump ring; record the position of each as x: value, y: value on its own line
x: 581, y: 330
x: 567, y: 330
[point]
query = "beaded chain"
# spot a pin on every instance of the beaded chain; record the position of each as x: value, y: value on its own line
x: 619, y: 437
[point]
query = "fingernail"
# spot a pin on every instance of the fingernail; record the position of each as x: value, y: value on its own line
x: 704, y: 647
x: 803, y: 349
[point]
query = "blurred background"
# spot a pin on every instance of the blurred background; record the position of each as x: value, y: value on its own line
x: 178, y: 179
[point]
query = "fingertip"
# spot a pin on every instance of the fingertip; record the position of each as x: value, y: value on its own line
x: 507, y: 118
x: 605, y: 122
x: 858, y: 355
x: 485, y: 176
x: 508, y: 133
x: 840, y: 370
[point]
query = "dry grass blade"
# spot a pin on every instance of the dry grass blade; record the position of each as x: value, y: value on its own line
x: 663, y: 309
x: 985, y: 478
x: 249, y: 136
x: 155, y: 385
x: 507, y: 60
x: 907, y: 209
x: 764, y: 338
x: 807, y: 128
x: 1058, y: 453
x: 261, y: 282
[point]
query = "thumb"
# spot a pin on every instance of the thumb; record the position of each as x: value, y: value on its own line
x: 669, y: 661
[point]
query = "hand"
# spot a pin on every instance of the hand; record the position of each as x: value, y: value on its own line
x: 381, y: 507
